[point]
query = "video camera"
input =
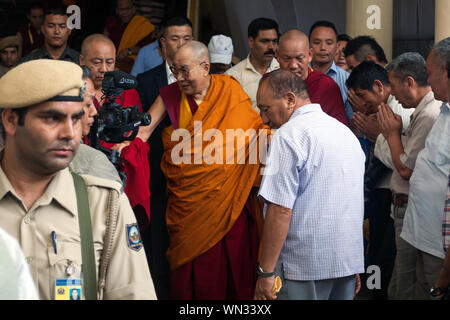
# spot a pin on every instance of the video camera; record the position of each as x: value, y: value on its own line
x: 116, y: 123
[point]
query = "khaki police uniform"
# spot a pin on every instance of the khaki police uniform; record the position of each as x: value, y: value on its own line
x: 128, y: 276
x: 57, y: 257
x: 93, y: 162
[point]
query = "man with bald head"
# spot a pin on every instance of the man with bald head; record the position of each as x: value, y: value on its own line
x: 99, y: 54
x: 210, y: 217
x: 175, y: 32
x: 295, y: 55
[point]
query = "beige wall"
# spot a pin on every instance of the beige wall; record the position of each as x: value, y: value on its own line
x: 442, y: 20
x: 376, y: 22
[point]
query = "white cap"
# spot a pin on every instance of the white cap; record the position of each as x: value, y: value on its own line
x: 220, y: 49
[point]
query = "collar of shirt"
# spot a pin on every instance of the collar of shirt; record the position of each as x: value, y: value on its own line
x: 57, y: 190
x: 153, y: 45
x: 249, y: 66
x: 170, y: 77
x: 44, y: 54
x: 332, y: 68
x: 307, y: 108
x: 391, y: 100
x: 338, y: 74
x: 426, y: 99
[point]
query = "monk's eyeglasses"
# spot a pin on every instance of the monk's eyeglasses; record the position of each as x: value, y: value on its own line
x: 183, y: 70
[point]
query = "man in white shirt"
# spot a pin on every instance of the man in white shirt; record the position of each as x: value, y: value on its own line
x: 16, y: 282
x: 422, y: 226
x: 263, y: 42
x: 313, y: 189
x: 408, y: 79
x: 370, y: 83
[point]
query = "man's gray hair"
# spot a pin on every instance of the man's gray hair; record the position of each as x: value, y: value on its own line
x: 410, y: 64
x: 87, y: 73
x: 442, y: 52
x: 282, y: 81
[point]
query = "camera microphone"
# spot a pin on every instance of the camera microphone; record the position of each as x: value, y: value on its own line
x: 121, y: 79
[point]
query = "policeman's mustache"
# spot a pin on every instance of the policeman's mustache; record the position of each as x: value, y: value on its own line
x: 270, y: 51
x: 65, y: 144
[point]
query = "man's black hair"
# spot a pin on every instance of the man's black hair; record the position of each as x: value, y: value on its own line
x: 21, y: 112
x: 261, y: 24
x: 323, y: 23
x: 363, y: 46
x: 35, y: 5
x: 365, y: 74
x: 344, y: 37
x: 57, y: 11
x: 174, y: 21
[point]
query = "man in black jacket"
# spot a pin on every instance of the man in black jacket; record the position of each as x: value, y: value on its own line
x: 175, y: 32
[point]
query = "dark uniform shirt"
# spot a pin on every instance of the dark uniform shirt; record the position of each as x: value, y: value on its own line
x: 42, y: 53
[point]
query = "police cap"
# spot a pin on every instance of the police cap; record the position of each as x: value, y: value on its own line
x: 39, y: 81
x: 7, y: 42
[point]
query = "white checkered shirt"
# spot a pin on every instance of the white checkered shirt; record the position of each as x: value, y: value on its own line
x: 315, y: 167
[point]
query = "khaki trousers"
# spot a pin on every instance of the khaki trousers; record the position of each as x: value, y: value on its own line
x: 403, y: 281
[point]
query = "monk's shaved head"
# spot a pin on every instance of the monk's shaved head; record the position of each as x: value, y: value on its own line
x: 294, y: 53
x: 99, y: 54
x: 294, y: 35
x: 191, y: 69
x: 97, y: 37
x: 198, y: 50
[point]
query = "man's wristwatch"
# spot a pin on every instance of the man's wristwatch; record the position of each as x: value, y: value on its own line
x: 130, y: 52
x: 436, y: 292
x: 262, y: 273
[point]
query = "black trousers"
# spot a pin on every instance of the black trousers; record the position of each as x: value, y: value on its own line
x: 382, y: 238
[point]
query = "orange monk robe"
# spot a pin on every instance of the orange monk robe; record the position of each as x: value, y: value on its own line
x: 137, y: 29
x: 204, y: 200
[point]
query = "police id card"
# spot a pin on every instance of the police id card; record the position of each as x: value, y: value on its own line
x: 68, y: 289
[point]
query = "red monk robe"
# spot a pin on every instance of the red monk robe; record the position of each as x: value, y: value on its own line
x: 134, y: 162
x: 211, y: 221
x: 322, y: 89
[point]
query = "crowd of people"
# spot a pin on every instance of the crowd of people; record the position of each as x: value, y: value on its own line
x: 357, y: 171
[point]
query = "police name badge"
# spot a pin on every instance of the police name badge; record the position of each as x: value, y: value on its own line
x: 68, y: 289
x: 133, y: 237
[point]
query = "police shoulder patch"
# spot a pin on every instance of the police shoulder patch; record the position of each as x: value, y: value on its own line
x: 134, y: 240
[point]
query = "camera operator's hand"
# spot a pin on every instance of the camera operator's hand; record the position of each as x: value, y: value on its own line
x: 120, y: 146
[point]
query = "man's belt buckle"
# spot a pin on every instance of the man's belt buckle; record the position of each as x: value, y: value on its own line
x: 399, y: 199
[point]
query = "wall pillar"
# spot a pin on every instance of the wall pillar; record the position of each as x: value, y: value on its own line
x: 373, y: 18
x: 441, y: 20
